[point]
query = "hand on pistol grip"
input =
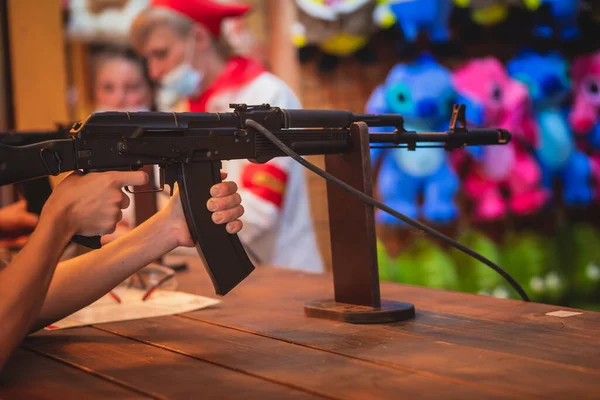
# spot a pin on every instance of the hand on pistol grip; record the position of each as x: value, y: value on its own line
x: 94, y: 202
x: 224, y: 204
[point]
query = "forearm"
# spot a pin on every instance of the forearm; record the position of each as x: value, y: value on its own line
x: 24, y: 282
x: 81, y: 281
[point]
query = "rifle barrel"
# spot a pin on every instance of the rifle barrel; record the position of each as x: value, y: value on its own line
x: 472, y: 137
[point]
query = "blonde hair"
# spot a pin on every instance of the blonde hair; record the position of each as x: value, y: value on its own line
x: 152, y: 17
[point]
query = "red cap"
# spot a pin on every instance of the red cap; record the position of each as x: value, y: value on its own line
x: 205, y: 12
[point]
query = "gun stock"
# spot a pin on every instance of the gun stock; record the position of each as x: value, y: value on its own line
x: 35, y: 160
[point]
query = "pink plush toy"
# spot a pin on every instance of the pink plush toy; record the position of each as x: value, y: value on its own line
x: 493, y: 99
x: 584, y: 117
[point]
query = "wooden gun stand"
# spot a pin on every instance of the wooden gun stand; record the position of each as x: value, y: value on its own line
x: 353, y: 243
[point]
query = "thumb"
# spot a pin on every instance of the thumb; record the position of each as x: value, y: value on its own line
x: 175, y: 189
x: 133, y: 178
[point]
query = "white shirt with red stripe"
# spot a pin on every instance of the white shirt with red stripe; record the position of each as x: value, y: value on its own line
x: 278, y: 226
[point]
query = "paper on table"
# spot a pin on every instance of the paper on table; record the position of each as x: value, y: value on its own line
x: 160, y: 304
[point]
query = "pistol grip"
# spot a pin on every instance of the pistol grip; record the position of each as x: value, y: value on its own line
x: 224, y: 256
x: 92, y: 242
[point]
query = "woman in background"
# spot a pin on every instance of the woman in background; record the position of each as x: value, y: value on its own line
x: 120, y: 82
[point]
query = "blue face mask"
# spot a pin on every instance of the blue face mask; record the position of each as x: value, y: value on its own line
x: 183, y: 80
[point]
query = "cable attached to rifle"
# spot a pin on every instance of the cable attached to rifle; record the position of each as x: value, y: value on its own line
x: 369, y: 200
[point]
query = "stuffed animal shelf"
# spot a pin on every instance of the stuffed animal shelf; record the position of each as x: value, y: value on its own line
x: 103, y: 21
x: 554, y: 20
x: 473, y: 17
x: 584, y: 117
x: 583, y: 238
x: 493, y: 99
x: 418, y: 16
x: 546, y: 77
x: 590, y: 21
x: 336, y: 28
x: 422, y: 93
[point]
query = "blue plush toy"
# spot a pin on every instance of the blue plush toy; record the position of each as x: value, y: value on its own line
x: 555, y: 18
x: 413, y: 17
x: 422, y: 93
x: 546, y: 77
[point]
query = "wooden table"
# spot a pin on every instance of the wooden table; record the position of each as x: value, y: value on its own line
x: 258, y: 344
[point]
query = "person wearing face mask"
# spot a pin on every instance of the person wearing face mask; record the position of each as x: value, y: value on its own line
x: 188, y: 56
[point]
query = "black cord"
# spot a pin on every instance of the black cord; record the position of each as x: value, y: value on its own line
x: 367, y: 199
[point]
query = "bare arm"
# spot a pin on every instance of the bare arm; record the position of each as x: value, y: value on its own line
x: 81, y: 281
x: 89, y: 205
x: 23, y: 283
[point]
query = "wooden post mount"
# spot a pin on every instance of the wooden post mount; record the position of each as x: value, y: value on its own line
x: 353, y: 244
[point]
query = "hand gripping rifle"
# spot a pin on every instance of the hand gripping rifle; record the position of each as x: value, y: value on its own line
x: 189, y: 148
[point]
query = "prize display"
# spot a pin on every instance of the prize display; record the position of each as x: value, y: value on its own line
x: 499, y: 180
x: 584, y: 116
x: 430, y: 17
x: 530, y: 206
x: 555, y: 18
x: 549, y: 85
x: 103, y: 21
x: 421, y: 92
x: 334, y: 28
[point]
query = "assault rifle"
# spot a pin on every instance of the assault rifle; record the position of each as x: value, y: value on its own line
x: 189, y: 148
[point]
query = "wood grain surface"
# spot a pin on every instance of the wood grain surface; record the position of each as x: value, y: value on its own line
x: 258, y: 344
